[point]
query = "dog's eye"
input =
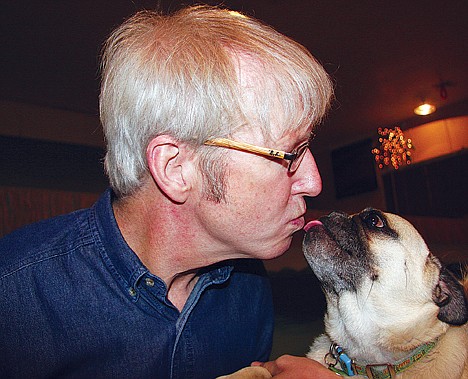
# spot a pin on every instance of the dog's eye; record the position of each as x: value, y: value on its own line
x: 375, y: 220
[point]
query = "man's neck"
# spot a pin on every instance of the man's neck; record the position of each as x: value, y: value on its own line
x: 152, y: 234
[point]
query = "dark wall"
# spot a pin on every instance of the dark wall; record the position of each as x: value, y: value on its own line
x: 353, y: 169
x: 43, y: 164
x: 437, y: 187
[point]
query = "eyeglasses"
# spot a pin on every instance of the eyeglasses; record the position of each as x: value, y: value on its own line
x: 295, y: 157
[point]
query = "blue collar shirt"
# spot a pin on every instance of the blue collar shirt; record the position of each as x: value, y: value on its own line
x: 76, y: 302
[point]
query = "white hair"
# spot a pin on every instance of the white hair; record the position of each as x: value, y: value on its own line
x: 179, y: 75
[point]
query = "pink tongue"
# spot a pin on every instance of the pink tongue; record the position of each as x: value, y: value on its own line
x: 311, y: 224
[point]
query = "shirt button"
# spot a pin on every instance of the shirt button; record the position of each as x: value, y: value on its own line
x: 132, y: 292
x: 149, y: 282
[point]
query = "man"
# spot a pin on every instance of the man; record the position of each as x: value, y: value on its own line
x: 151, y: 282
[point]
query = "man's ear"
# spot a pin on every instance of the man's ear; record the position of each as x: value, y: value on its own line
x: 171, y: 165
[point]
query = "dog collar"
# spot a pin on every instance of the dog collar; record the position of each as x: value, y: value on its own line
x: 373, y: 371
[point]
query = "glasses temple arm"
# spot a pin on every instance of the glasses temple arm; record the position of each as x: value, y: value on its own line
x: 224, y: 142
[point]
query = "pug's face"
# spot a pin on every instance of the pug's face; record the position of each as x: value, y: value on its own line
x: 375, y: 266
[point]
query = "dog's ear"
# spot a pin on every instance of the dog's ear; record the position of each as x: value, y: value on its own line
x: 449, y: 295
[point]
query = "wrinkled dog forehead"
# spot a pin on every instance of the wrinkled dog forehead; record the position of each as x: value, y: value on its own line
x: 404, y: 240
x: 405, y: 232
x: 343, y: 250
x: 411, y: 275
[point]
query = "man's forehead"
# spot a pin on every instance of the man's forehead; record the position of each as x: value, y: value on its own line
x: 293, y: 137
x: 263, y: 102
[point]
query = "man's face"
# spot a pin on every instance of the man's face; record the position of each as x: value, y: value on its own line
x: 264, y: 203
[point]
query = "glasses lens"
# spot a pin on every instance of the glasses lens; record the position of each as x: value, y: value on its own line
x: 300, y: 152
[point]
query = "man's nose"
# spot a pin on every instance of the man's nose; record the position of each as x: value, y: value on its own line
x: 307, y: 177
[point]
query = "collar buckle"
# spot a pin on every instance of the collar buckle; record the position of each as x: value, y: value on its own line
x: 389, y: 372
x: 339, y: 355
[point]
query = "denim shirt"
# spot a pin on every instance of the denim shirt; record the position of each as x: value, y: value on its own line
x: 76, y: 302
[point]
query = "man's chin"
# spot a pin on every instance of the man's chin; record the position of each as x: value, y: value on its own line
x: 278, y: 250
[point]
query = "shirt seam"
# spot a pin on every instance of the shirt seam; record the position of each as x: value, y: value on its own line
x: 40, y: 257
x: 48, y: 254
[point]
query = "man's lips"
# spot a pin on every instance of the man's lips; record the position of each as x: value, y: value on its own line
x: 312, y: 224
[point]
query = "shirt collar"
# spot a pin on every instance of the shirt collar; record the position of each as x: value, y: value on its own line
x: 122, y: 260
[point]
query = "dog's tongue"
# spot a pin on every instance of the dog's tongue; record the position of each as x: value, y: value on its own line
x: 312, y: 224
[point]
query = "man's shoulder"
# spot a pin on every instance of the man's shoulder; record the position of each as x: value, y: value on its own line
x: 43, y: 239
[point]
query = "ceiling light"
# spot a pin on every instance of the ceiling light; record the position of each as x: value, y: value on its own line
x: 425, y: 109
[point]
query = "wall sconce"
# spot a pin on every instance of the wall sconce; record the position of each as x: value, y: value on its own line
x: 425, y: 109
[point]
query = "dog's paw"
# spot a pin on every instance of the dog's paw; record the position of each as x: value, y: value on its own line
x: 248, y: 373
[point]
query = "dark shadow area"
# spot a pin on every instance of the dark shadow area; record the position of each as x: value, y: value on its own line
x: 299, y: 309
x: 44, y: 164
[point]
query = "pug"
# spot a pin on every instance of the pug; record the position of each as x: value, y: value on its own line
x: 393, y: 311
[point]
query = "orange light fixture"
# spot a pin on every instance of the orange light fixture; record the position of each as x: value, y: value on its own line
x: 424, y: 109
